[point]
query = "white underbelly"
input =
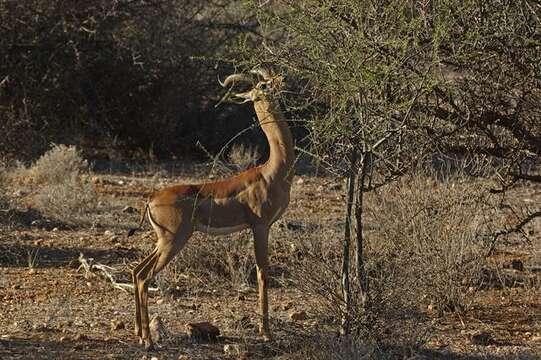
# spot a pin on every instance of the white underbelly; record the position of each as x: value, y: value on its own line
x: 220, y: 230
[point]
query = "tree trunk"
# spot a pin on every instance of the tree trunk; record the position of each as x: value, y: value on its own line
x: 359, y: 260
x: 346, y: 291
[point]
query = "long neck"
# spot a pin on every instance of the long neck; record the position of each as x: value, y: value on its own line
x: 274, y: 125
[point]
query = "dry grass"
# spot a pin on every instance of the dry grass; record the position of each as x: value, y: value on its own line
x: 243, y: 156
x: 429, y: 235
x: 422, y: 252
x: 71, y: 200
x: 209, y: 260
x: 425, y: 252
x: 63, y: 192
x: 55, y: 165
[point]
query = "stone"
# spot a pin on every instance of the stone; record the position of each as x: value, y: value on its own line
x: 202, y: 331
x: 517, y: 264
x: 298, y: 315
x: 129, y: 210
x: 482, y: 338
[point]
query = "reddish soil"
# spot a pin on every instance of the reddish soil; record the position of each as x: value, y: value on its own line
x: 50, y: 309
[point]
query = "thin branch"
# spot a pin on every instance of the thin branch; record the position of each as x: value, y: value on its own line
x: 518, y: 228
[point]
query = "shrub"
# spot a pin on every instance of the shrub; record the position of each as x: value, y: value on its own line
x: 63, y: 193
x: 428, y: 240
x: 70, y: 200
x: 55, y: 165
x: 424, y: 254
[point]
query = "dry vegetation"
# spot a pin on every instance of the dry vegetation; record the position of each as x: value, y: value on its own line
x: 452, y: 258
x: 434, y: 292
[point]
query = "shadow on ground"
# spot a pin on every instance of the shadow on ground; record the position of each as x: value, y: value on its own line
x: 19, y: 255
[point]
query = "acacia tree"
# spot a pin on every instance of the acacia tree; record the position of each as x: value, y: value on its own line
x: 386, y: 84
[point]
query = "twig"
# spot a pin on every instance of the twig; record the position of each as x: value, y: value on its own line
x: 517, y: 228
x: 108, y: 271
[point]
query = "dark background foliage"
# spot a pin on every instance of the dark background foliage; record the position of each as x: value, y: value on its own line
x: 133, y: 75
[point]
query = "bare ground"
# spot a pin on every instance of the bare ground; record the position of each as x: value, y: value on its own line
x: 52, y: 309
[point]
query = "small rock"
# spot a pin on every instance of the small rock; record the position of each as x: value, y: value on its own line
x: 300, y: 181
x: 298, y: 315
x: 160, y: 301
x: 482, y: 338
x: 120, y: 182
x: 233, y: 349
x: 202, y: 331
x: 129, y: 210
x: 108, y: 233
x: 55, y: 229
x: 157, y: 329
x: 117, y: 325
x: 517, y: 264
